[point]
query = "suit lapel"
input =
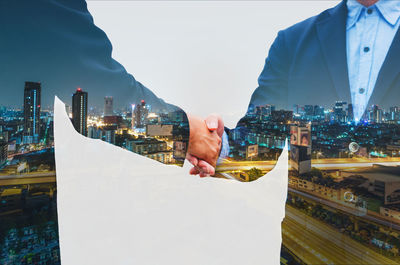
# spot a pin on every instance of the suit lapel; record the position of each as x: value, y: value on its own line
x: 332, y: 36
x: 389, y: 71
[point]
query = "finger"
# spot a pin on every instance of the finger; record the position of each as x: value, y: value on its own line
x: 192, y: 159
x: 206, y: 167
x: 215, y: 122
x: 212, y: 122
x: 221, y: 126
x: 203, y: 175
x: 197, y: 170
x: 194, y: 171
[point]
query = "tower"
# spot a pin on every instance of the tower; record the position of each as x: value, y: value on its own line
x: 139, y: 115
x: 79, y: 111
x: 108, y: 106
x: 32, y: 97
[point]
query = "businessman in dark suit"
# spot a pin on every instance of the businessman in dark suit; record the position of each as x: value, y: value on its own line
x: 58, y: 44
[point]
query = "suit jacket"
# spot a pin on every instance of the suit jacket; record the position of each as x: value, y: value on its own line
x: 58, y: 44
x: 307, y: 65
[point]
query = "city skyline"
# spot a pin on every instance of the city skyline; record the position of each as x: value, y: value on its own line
x: 317, y: 140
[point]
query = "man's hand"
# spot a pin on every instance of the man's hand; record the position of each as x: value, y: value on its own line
x: 204, y: 144
x: 215, y: 126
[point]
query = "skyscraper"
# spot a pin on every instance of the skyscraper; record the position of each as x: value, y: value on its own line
x: 319, y: 112
x: 3, y: 152
x: 350, y: 112
x: 139, y: 115
x: 108, y: 106
x: 377, y: 114
x: 32, y: 96
x: 394, y: 113
x: 309, y: 110
x: 339, y: 111
x: 79, y: 111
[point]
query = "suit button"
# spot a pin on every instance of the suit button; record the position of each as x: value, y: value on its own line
x: 361, y: 90
x: 354, y: 147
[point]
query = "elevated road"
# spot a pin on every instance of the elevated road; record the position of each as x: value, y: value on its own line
x: 29, y: 178
x: 315, y: 242
x: 352, y: 211
x: 331, y: 163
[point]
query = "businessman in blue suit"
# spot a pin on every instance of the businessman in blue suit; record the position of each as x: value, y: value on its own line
x: 332, y: 84
x: 348, y: 53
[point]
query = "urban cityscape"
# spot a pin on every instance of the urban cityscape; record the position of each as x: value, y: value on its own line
x: 344, y: 179
x: 28, y: 194
x: 343, y: 204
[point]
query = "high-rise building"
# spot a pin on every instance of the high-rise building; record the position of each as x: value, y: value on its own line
x: 319, y: 112
x: 394, y: 113
x: 263, y: 110
x: 300, y: 148
x: 281, y: 115
x: 108, y: 106
x: 107, y: 134
x: 139, y: 115
x: 93, y: 132
x: 79, y: 111
x: 340, y: 105
x: 350, y: 112
x: 32, y: 96
x: 339, y: 111
x: 251, y: 110
x: 309, y: 110
x: 295, y: 109
x: 377, y: 114
x: 3, y: 152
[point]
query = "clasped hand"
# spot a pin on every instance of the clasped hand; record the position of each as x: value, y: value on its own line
x: 204, y: 144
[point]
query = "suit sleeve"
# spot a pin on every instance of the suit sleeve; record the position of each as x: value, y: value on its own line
x: 58, y: 43
x: 273, y: 80
x: 262, y: 125
x: 172, y: 150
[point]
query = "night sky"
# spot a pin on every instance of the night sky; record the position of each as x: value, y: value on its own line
x: 57, y: 44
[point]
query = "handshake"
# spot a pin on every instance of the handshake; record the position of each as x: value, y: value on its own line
x: 205, y: 142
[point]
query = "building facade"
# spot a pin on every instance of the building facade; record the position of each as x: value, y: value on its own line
x: 79, y: 111
x: 32, y: 98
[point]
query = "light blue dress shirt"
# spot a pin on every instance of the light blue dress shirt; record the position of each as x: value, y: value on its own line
x: 369, y: 34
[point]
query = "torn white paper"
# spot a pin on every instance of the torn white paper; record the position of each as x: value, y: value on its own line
x: 117, y: 207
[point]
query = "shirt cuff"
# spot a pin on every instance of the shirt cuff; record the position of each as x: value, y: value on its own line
x: 224, y: 148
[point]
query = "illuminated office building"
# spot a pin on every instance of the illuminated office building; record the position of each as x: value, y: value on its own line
x: 108, y: 106
x: 79, y: 111
x: 32, y: 96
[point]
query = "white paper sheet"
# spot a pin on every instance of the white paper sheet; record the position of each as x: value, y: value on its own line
x: 117, y: 207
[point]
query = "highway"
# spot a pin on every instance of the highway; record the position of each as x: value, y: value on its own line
x: 348, y: 210
x: 317, y: 243
x: 28, y: 178
x: 332, y: 163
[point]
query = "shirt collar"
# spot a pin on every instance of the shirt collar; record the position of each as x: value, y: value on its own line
x: 354, y: 9
x: 390, y: 11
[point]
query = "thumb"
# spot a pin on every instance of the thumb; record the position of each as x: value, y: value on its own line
x: 215, y: 122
